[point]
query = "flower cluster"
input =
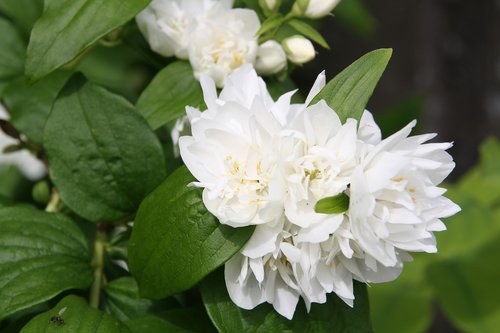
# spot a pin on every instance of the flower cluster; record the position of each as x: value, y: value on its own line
x: 217, y: 38
x: 267, y: 163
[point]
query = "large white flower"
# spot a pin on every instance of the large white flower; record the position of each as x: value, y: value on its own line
x: 30, y: 166
x: 268, y: 163
x: 224, y: 42
x: 167, y: 24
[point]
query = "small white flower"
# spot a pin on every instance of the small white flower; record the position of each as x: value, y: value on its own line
x: 166, y: 24
x: 30, y: 166
x: 299, y: 49
x: 269, y: 6
x: 224, y: 42
x: 271, y: 58
x: 316, y: 9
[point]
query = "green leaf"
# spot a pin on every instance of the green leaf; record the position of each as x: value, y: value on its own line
x: 332, y: 205
x: 403, y: 305
x: 466, y: 230
x: 67, y: 28
x: 349, y: 92
x: 77, y: 317
x: 333, y: 316
x: 12, y: 53
x: 103, y: 157
x: 29, y: 105
x: 467, y: 288
x: 166, y: 97
x: 41, y: 255
x: 175, y: 241
x: 309, y: 32
x: 13, y: 185
x: 178, y: 321
x: 270, y: 23
x: 23, y: 13
x: 123, y: 300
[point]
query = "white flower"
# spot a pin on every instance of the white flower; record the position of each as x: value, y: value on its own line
x: 166, y: 24
x: 230, y: 151
x: 224, y: 42
x: 299, y: 49
x: 267, y: 163
x: 395, y: 204
x: 30, y: 166
x: 271, y: 58
x: 316, y: 9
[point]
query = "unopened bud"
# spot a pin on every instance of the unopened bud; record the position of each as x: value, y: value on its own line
x: 271, y: 58
x: 299, y: 49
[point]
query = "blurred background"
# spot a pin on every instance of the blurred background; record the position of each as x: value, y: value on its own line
x: 445, y: 71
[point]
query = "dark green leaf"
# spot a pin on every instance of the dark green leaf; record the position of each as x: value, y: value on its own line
x: 123, y: 300
x: 333, y: 316
x: 166, y: 97
x: 66, y: 28
x: 103, y: 157
x: 309, y: 32
x: 178, y: 321
x: 333, y: 205
x: 77, y: 317
x: 175, y: 241
x: 13, y: 185
x: 29, y: 105
x: 349, y: 92
x: 41, y: 255
x: 467, y: 288
x: 12, y: 53
x: 23, y: 12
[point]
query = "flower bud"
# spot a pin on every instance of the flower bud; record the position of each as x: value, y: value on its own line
x: 299, y: 49
x: 314, y: 9
x: 271, y: 58
x: 270, y: 6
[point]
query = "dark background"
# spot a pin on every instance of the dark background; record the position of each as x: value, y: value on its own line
x: 445, y: 66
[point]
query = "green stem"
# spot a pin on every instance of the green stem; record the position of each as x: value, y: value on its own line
x: 53, y: 205
x: 98, y: 264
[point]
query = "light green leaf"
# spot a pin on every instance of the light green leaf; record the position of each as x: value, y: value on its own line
x: 466, y: 230
x: 333, y: 316
x: 166, y: 97
x: 178, y: 321
x: 29, y: 105
x: 332, y: 205
x: 12, y: 53
x: 103, y: 157
x: 67, y: 28
x: 123, y: 300
x: 23, y: 12
x: 77, y: 317
x: 309, y: 32
x: 175, y: 241
x: 270, y: 23
x: 41, y: 255
x: 467, y: 288
x: 403, y: 305
x: 349, y: 92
